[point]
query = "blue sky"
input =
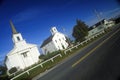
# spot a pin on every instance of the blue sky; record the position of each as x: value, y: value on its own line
x: 34, y: 18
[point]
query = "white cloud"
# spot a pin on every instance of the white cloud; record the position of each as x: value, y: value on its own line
x: 26, y: 15
x: 111, y: 13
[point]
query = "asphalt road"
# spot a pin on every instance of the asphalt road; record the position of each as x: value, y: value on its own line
x: 98, y: 61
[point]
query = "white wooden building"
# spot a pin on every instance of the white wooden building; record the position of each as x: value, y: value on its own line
x: 100, y: 26
x: 23, y: 54
x: 57, y: 41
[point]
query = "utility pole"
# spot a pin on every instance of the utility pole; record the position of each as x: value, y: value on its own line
x: 97, y: 14
x: 67, y: 38
x: 99, y: 17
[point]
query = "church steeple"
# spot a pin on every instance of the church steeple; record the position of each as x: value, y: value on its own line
x: 53, y: 30
x: 16, y: 37
x: 13, y: 28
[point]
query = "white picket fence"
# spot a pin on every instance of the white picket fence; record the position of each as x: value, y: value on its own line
x: 41, y: 64
x: 88, y: 39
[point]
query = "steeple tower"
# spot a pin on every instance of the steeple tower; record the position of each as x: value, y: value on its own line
x: 53, y: 30
x: 16, y: 37
x: 13, y: 28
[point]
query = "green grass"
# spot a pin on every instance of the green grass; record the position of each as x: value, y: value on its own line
x: 36, y: 71
x: 23, y: 77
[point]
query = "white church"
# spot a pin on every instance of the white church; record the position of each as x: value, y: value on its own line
x: 57, y: 41
x: 23, y: 54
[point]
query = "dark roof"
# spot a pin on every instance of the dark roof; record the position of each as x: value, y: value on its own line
x: 99, y: 23
x: 90, y: 28
x: 13, y: 28
x: 49, y: 39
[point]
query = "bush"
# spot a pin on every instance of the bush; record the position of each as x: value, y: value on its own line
x: 49, y: 55
x: 4, y: 77
x: 13, y: 70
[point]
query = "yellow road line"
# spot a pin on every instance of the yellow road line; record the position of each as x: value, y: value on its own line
x: 81, y: 59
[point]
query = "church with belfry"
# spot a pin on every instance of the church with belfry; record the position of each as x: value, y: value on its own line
x: 56, y: 41
x: 23, y: 54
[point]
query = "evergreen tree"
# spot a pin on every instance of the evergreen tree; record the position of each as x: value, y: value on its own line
x: 80, y: 30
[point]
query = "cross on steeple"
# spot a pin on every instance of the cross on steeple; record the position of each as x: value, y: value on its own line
x: 13, y: 28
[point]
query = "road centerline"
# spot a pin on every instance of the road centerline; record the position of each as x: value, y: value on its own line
x: 90, y: 52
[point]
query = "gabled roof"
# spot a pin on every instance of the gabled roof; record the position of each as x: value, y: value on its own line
x: 19, y: 49
x: 99, y: 23
x: 49, y: 39
x: 15, y: 50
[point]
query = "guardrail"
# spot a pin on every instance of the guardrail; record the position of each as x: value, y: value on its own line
x: 41, y: 64
x: 88, y: 39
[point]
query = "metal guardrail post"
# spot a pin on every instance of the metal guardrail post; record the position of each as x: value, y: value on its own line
x: 65, y: 52
x: 60, y: 55
x: 28, y: 72
x: 41, y: 65
x: 76, y: 46
x: 52, y: 59
x: 70, y: 50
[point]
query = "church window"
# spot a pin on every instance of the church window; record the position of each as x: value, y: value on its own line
x: 59, y: 39
x: 58, y: 47
x: 18, y: 38
x: 45, y: 50
x: 63, y: 38
x: 24, y: 54
x: 54, y: 29
x: 63, y: 46
x: 56, y: 41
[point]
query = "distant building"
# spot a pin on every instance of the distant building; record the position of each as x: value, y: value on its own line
x: 109, y: 23
x: 105, y: 23
x: 23, y: 54
x: 100, y: 26
x: 57, y: 41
